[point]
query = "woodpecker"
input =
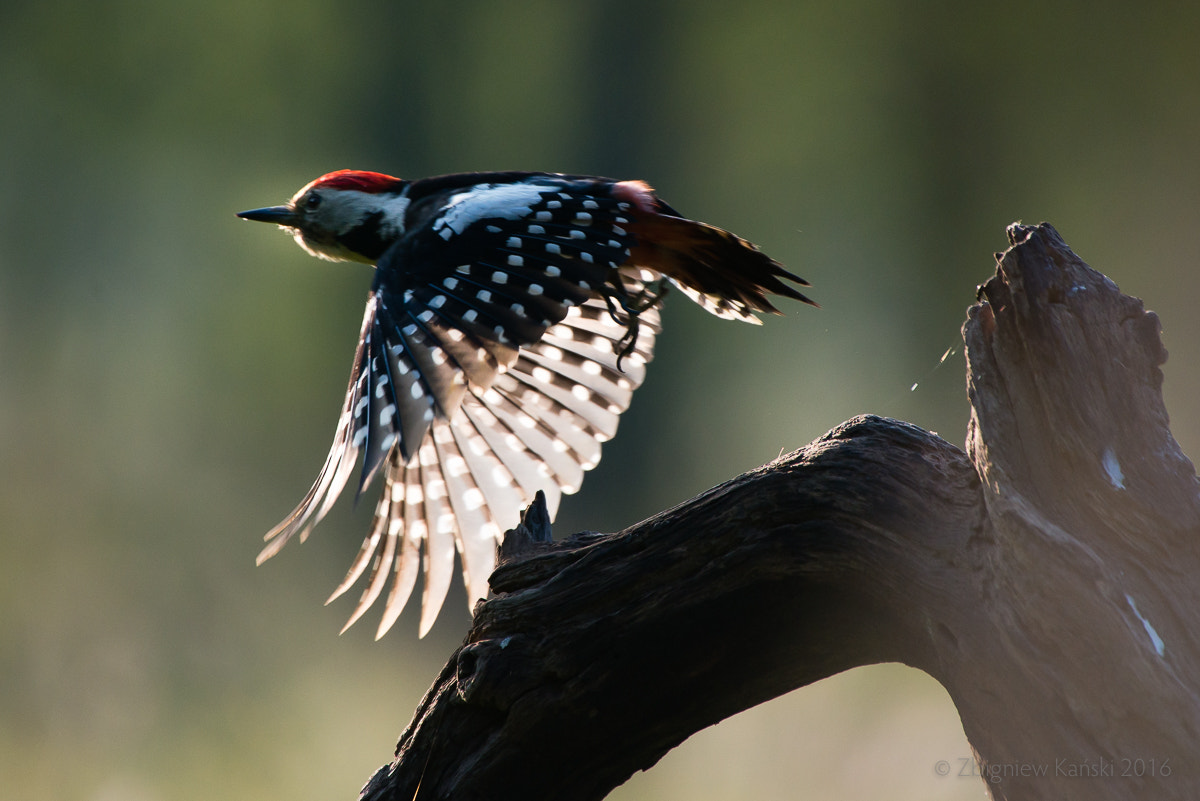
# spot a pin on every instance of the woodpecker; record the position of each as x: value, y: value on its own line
x: 511, y: 316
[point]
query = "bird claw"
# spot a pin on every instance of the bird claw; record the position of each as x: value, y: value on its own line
x: 631, y: 307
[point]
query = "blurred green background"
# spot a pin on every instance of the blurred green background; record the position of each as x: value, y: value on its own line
x: 171, y: 376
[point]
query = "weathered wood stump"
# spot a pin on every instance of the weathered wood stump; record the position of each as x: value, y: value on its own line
x: 1049, y: 578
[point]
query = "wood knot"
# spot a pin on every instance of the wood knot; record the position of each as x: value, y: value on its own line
x: 533, y: 530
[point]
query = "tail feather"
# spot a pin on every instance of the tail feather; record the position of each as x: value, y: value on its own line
x: 724, y: 273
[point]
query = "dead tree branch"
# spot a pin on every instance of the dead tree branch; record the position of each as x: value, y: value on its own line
x: 1048, y: 578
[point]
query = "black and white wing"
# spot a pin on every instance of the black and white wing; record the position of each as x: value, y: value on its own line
x: 490, y: 365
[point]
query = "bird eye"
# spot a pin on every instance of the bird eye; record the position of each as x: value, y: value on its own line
x: 312, y: 201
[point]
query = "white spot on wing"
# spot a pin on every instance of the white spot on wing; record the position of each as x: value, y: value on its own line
x: 473, y: 498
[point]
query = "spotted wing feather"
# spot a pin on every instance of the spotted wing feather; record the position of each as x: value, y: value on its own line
x: 487, y: 370
x: 487, y: 463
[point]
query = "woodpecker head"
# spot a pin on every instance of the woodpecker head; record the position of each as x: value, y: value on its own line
x: 348, y: 215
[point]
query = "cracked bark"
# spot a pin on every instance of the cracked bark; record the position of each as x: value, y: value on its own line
x: 1047, y: 577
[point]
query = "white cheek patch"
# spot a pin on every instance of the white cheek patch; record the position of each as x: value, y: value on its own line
x: 347, y: 209
x: 393, y: 214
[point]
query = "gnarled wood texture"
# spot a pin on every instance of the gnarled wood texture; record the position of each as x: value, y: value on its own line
x: 1048, y: 578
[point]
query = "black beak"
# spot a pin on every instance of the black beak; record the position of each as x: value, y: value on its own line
x: 280, y: 215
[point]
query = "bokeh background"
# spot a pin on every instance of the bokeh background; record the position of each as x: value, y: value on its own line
x: 170, y: 376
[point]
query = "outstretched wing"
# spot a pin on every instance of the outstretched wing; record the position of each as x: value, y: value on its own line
x: 488, y: 367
